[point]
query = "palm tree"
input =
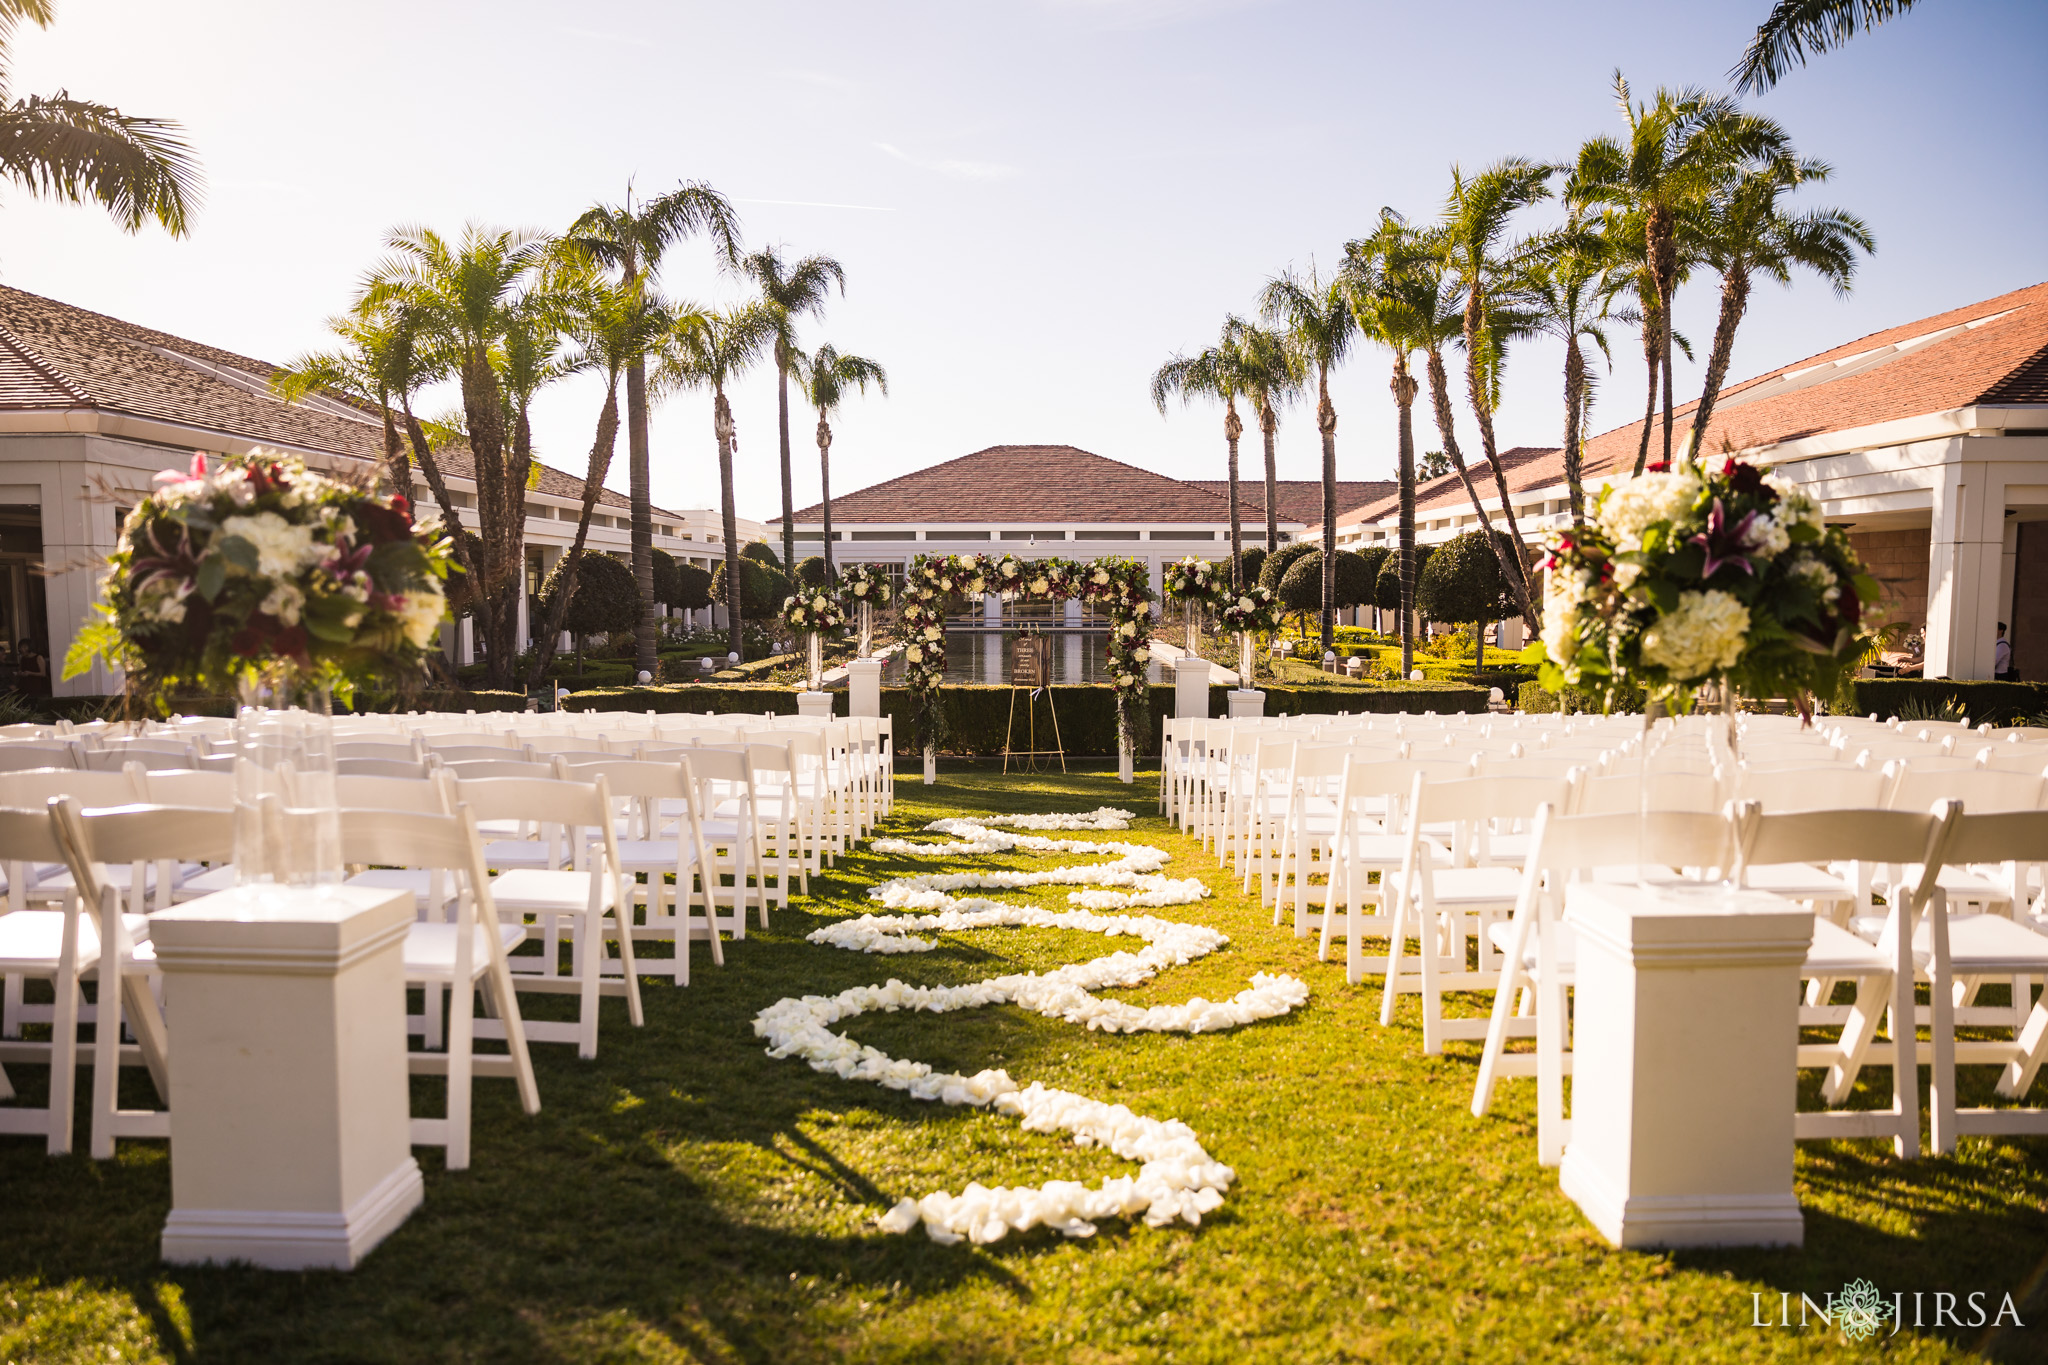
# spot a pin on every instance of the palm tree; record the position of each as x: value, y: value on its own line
x: 1407, y: 268
x: 1569, y: 286
x: 1479, y: 258
x: 1384, y: 302
x: 1320, y: 327
x: 1796, y: 27
x: 465, y: 298
x: 826, y: 379
x: 1680, y: 146
x: 1217, y: 372
x: 1749, y: 235
x: 708, y: 350
x: 1271, y: 374
x: 632, y: 240
x: 611, y: 324
x: 787, y: 293
x: 75, y: 151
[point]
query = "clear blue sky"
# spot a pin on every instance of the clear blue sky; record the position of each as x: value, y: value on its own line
x: 1036, y: 203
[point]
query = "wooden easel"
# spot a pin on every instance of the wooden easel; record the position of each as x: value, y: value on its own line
x: 1031, y: 672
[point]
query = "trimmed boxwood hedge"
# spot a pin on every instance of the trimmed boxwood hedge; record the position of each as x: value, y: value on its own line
x: 2000, y: 703
x: 1087, y: 713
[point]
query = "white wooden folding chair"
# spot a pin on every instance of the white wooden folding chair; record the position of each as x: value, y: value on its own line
x: 58, y: 946
x: 651, y: 851
x: 1883, y: 972
x: 457, y: 955
x: 591, y: 902
x: 1372, y: 840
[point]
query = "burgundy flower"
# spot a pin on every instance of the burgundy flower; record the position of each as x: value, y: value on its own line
x: 1725, y: 545
x: 1747, y: 479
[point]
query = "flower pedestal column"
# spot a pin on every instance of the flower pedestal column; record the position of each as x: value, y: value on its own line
x: 1246, y: 703
x: 1125, y: 769
x: 1191, y: 688
x: 290, y: 1103
x: 1684, y: 1078
x: 817, y: 704
x: 931, y: 766
x: 864, y: 686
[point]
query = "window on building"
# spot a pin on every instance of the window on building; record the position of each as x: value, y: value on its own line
x: 956, y: 535
x: 1131, y: 534
x: 1183, y: 535
x: 1034, y: 535
x: 885, y: 535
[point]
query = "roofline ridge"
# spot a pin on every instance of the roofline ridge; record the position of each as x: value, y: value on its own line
x: 35, y: 361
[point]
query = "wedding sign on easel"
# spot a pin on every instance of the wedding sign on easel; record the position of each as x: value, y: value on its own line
x: 1031, y: 673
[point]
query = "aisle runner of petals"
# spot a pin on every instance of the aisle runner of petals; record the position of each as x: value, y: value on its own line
x: 1176, y: 1179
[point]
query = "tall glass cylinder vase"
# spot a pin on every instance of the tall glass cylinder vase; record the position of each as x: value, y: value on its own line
x: 814, y: 661
x: 287, y: 813
x: 1194, y: 622
x: 867, y: 631
x: 1724, y: 728
x: 1245, y: 659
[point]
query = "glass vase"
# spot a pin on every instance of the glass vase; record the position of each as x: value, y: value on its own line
x: 287, y: 813
x: 814, y: 661
x: 867, y: 631
x: 1245, y: 659
x: 1194, y: 623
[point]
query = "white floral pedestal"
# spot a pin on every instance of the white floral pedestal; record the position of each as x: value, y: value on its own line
x: 864, y: 687
x: 814, y: 704
x: 1246, y: 703
x: 1191, y: 688
x: 1684, y: 1077
x: 290, y: 1106
x: 931, y: 766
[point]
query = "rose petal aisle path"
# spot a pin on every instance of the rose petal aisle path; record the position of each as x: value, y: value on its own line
x: 685, y: 1197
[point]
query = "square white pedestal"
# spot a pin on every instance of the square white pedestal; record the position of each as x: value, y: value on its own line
x: 290, y: 1105
x: 1684, y: 1064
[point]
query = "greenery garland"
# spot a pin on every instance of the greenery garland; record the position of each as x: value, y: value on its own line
x: 930, y: 586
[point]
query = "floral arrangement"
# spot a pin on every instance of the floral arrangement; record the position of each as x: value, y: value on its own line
x: 867, y: 583
x: 1123, y: 588
x: 1197, y: 582
x: 818, y: 610
x: 1177, y: 1180
x: 1692, y: 574
x: 263, y: 564
x: 930, y: 585
x: 1253, y: 611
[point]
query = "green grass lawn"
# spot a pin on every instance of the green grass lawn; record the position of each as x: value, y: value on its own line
x: 685, y: 1198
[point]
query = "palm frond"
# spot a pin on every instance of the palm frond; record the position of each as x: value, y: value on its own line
x: 75, y: 151
x: 1795, y: 28
x: 12, y: 12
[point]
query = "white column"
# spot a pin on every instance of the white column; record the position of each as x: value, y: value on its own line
x: 864, y: 687
x: 1191, y: 688
x: 1965, y: 553
x: 290, y: 1104
x: 78, y: 533
x: 1684, y: 1065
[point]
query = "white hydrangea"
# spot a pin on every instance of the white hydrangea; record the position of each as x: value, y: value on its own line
x: 421, y: 615
x: 1702, y: 636
x: 285, y: 602
x: 1767, y: 537
x: 1561, y: 598
x: 1630, y: 508
x: 281, y: 548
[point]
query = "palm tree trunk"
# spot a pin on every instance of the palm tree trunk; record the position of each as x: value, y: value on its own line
x: 1651, y: 327
x: 548, y: 637
x: 1663, y: 253
x: 1734, y: 303
x: 1232, y: 430
x: 646, y: 634
x: 483, y: 404
x: 1326, y: 423
x: 1574, y: 387
x: 735, y: 590
x: 1269, y: 427
x: 1482, y: 410
x: 1440, y: 403
x: 825, y: 491
x: 395, y: 464
x: 782, y: 434
x: 1404, y: 386
x: 423, y: 452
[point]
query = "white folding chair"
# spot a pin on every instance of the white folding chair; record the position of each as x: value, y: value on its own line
x: 648, y: 851
x: 57, y: 946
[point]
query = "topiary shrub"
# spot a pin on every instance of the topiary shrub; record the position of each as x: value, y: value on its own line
x: 810, y: 571
x: 1273, y: 572
x: 762, y: 552
x: 665, y: 585
x: 1387, y: 583
x: 1462, y: 585
x: 693, y: 588
x: 607, y: 599
x: 763, y: 587
x: 1251, y: 564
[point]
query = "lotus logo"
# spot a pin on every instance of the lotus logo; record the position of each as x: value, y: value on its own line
x: 1860, y: 1310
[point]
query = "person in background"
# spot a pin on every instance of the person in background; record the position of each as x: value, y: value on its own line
x: 30, y: 663
x: 2001, y: 658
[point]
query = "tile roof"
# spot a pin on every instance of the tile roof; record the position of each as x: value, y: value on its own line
x: 1526, y: 466
x: 1026, y: 485
x: 1297, y: 499
x: 55, y: 356
x: 1934, y: 364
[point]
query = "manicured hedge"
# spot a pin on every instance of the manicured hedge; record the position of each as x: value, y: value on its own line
x: 2000, y: 703
x: 1086, y: 713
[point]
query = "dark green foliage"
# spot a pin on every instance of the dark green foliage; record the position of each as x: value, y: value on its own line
x: 1273, y: 572
x: 693, y: 588
x: 976, y: 716
x: 1301, y: 590
x: 606, y: 597
x: 2000, y: 703
x: 1386, y: 587
x: 1252, y: 562
x: 810, y: 571
x: 762, y: 552
x: 666, y: 585
x: 1372, y: 558
x: 1463, y: 585
x: 765, y: 587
